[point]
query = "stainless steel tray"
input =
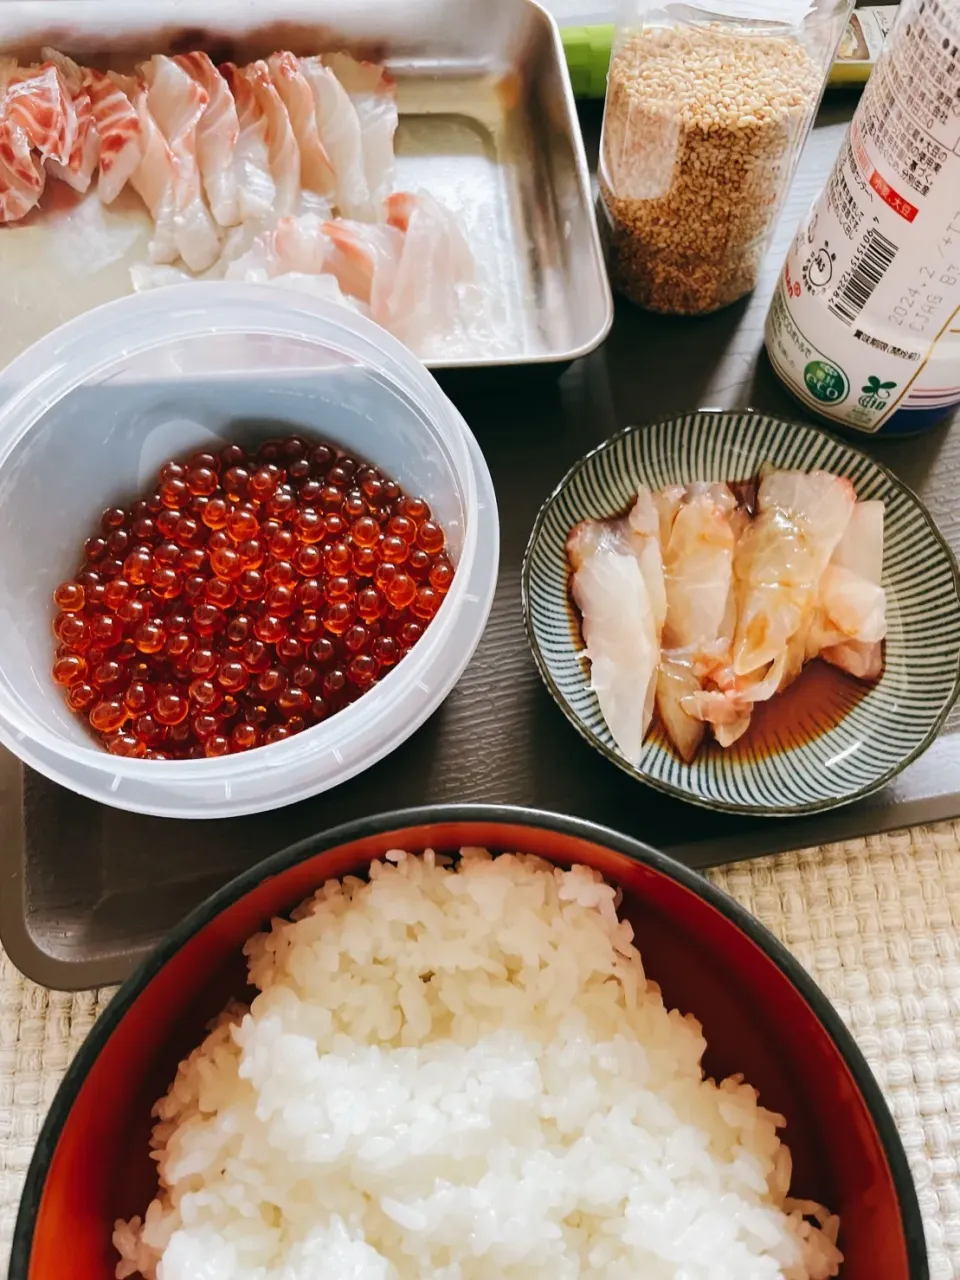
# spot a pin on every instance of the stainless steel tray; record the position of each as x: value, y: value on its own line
x: 487, y: 124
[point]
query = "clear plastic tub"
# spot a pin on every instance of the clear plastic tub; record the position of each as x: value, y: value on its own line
x: 90, y: 412
x: 705, y: 117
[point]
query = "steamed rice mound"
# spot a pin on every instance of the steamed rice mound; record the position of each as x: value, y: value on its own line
x: 462, y: 1073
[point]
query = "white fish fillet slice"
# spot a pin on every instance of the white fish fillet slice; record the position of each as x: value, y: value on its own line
x: 282, y: 149
x: 298, y: 245
x: 621, y: 645
x: 256, y: 189
x: 177, y: 104
x: 698, y: 573
x: 365, y: 260
x: 155, y: 175
x: 77, y: 171
x: 374, y: 95
x: 338, y: 127
x: 781, y: 558
x: 316, y: 170
x: 435, y: 263
x: 121, y: 137
x: 852, y: 596
x: 218, y: 132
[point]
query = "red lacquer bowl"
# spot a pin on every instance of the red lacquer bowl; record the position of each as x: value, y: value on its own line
x: 762, y: 1015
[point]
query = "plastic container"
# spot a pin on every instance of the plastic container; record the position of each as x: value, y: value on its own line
x: 864, y: 326
x: 704, y: 120
x: 90, y: 412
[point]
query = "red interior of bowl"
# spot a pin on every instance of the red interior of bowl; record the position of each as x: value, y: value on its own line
x: 755, y: 1021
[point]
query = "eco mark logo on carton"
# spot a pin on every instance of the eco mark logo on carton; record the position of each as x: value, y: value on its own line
x: 826, y: 382
x: 876, y: 394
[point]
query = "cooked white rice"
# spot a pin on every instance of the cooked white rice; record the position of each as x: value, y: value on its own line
x: 463, y: 1073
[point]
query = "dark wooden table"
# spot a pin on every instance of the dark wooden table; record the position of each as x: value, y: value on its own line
x: 88, y: 889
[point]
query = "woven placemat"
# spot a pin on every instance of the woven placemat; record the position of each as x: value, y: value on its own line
x: 876, y: 922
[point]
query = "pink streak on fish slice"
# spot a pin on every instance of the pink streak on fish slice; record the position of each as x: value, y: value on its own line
x: 281, y: 142
x: 256, y: 186
x: 316, y: 170
x: 79, y: 168
x: 38, y: 102
x: 217, y: 135
x: 118, y: 128
x: 21, y: 178
x: 365, y: 261
x: 177, y: 104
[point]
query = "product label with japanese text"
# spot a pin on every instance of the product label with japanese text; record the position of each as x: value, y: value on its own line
x: 866, y: 317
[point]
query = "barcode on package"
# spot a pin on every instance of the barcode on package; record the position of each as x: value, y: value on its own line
x: 866, y: 273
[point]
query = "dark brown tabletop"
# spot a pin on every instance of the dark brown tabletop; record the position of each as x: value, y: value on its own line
x: 87, y: 889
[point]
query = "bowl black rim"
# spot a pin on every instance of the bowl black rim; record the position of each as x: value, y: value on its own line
x: 669, y: 788
x: 427, y: 815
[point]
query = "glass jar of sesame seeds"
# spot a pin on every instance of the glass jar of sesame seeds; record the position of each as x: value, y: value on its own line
x: 708, y: 105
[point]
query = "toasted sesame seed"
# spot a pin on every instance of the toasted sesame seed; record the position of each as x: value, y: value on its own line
x: 701, y: 130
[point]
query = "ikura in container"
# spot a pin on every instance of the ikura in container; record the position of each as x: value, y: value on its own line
x: 89, y: 415
x: 705, y: 117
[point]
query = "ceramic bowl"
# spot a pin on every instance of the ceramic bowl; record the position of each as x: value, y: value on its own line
x: 827, y: 740
x: 761, y: 1013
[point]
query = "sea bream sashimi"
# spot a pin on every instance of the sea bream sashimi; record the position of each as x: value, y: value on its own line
x: 316, y: 170
x: 801, y: 517
x: 218, y: 131
x: 851, y: 622
x: 78, y: 169
x: 155, y: 175
x: 177, y: 104
x: 120, y: 133
x: 338, y: 128
x: 256, y: 188
x: 698, y: 574
x: 619, y: 632
x: 282, y: 151
x: 373, y: 93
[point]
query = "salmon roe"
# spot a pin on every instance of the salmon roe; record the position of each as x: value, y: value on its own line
x: 243, y: 599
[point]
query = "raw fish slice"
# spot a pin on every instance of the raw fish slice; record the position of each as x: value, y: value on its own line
x: 852, y: 599
x: 338, y: 127
x: 78, y: 171
x: 38, y: 102
x: 780, y: 560
x: 374, y: 95
x: 434, y: 264
x: 316, y: 170
x: 177, y: 104
x: 621, y: 645
x: 667, y: 502
x: 256, y: 189
x: 298, y: 245
x: 119, y: 130
x: 698, y: 574
x: 643, y: 524
x: 364, y: 261
x: 676, y: 681
x: 591, y: 536
x: 282, y: 149
x: 154, y: 178
x: 218, y: 131
x: 21, y: 177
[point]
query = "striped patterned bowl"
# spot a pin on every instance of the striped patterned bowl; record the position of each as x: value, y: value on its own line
x: 828, y: 739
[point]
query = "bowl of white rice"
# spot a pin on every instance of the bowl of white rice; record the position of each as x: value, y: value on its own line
x: 469, y: 1043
